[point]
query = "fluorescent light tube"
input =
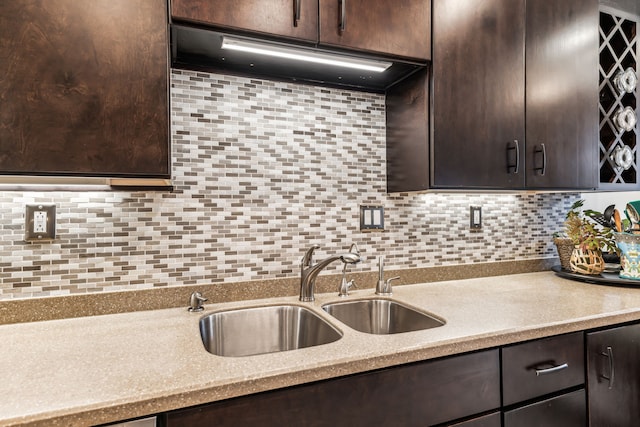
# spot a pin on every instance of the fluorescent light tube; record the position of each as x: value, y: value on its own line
x: 299, y: 54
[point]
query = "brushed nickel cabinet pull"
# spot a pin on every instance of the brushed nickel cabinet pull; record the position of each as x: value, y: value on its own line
x: 296, y: 12
x: 551, y: 370
x: 516, y: 147
x: 343, y: 15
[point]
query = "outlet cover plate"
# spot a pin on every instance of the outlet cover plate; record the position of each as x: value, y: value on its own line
x: 40, y: 223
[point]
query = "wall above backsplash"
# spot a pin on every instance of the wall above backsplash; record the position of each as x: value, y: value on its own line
x: 261, y: 171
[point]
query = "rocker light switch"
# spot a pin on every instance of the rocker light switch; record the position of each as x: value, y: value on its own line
x: 475, y: 222
x: 40, y: 223
x: 372, y: 218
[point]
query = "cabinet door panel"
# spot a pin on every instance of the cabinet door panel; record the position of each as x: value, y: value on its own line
x: 84, y: 88
x: 265, y: 16
x: 567, y: 410
x: 614, y: 401
x: 562, y: 93
x: 478, y: 93
x: 408, y: 134
x: 413, y: 395
x: 399, y: 28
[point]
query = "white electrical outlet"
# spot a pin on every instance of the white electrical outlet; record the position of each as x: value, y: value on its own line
x: 40, y: 223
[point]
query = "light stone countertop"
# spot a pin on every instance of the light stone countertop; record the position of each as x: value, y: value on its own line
x: 93, y: 370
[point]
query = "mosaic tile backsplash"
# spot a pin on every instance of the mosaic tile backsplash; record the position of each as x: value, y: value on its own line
x: 262, y: 170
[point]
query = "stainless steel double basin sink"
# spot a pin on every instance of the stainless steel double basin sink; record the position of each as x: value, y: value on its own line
x: 269, y: 329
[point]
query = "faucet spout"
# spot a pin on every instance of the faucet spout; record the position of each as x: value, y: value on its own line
x: 309, y: 272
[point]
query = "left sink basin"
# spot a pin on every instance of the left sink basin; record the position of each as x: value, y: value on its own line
x: 259, y: 330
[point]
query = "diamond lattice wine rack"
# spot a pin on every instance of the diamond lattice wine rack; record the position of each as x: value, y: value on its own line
x: 619, y: 150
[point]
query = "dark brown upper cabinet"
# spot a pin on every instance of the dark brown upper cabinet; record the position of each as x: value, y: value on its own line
x: 84, y: 88
x: 478, y: 93
x: 385, y: 27
x: 515, y: 94
x: 399, y: 28
x: 296, y: 19
x: 562, y: 94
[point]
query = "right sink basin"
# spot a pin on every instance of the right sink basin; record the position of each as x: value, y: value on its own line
x: 381, y: 316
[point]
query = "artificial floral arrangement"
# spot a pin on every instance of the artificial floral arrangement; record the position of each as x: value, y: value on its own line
x: 586, y: 233
x: 589, y: 238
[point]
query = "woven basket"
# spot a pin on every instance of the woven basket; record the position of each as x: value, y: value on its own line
x: 586, y: 261
x: 565, y: 247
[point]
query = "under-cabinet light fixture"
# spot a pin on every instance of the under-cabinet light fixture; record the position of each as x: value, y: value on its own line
x: 68, y: 183
x: 300, y: 54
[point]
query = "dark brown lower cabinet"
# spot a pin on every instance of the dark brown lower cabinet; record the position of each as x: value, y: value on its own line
x: 613, y: 376
x: 419, y: 394
x: 567, y: 410
x: 491, y: 420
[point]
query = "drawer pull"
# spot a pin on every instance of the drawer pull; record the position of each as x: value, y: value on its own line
x: 551, y: 370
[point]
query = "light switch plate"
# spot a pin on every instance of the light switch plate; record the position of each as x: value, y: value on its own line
x: 372, y: 218
x: 475, y: 217
x: 40, y: 223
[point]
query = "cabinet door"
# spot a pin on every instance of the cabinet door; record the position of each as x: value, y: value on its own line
x: 567, y: 410
x: 562, y: 94
x: 420, y: 394
x: 288, y: 18
x: 478, y: 94
x: 400, y: 28
x: 84, y: 88
x: 613, y: 375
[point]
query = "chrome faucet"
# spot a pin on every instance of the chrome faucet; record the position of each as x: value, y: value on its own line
x: 309, y: 271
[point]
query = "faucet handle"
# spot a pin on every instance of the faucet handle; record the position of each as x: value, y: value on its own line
x: 195, y: 302
x: 384, y: 287
x: 307, y: 259
x: 388, y: 283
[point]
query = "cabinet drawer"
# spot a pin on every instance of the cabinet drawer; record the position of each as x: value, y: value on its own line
x: 567, y: 410
x: 536, y: 368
